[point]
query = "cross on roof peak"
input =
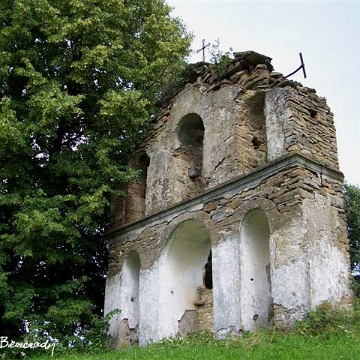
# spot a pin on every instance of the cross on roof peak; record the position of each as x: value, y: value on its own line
x: 203, y: 48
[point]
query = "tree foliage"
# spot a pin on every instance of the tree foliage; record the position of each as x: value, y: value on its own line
x: 77, y: 82
x: 352, y: 212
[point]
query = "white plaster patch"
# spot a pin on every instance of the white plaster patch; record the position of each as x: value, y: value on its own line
x: 290, y: 286
x: 129, y: 292
x: 328, y: 265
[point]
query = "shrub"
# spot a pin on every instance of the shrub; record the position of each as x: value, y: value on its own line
x: 327, y: 319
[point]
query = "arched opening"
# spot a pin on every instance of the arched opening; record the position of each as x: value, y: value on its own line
x: 129, y: 293
x: 189, y: 157
x: 136, y: 200
x: 192, y: 130
x: 255, y: 293
x: 186, y: 303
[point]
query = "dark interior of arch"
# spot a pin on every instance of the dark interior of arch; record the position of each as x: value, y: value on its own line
x: 192, y: 130
x: 143, y: 163
x: 208, y: 282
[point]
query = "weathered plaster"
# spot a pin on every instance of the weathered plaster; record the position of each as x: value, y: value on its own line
x: 327, y: 258
x: 276, y: 115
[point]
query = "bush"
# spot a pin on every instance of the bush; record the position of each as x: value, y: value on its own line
x: 327, y: 319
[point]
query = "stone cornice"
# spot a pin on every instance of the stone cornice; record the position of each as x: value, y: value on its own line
x: 235, y: 185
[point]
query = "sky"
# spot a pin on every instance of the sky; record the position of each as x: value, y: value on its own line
x: 327, y: 33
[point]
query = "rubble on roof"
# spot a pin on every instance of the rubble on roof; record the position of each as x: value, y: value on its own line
x: 248, y: 69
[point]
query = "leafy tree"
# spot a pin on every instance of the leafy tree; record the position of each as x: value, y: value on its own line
x: 77, y: 82
x: 352, y: 212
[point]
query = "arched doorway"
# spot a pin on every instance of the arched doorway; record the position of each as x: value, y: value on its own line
x: 185, y: 299
x: 255, y: 277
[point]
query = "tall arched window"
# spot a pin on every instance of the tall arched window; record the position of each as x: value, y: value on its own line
x: 189, y: 157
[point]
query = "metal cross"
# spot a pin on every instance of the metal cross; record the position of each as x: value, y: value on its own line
x: 203, y: 48
x: 302, y: 66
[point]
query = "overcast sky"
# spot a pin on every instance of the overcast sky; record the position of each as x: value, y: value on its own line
x: 326, y: 32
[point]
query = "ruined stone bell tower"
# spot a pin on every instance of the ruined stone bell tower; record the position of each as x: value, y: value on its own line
x: 237, y: 220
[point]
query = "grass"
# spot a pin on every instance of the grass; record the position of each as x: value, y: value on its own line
x: 326, y: 334
x: 263, y: 345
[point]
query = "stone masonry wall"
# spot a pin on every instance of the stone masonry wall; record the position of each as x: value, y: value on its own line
x: 286, y: 191
x: 306, y: 124
x: 251, y: 115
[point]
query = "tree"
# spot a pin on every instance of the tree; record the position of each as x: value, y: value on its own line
x: 77, y: 82
x: 352, y: 212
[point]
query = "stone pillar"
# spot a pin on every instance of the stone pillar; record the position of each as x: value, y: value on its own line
x: 149, y: 305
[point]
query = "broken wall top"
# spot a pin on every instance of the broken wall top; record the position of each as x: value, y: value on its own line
x: 248, y: 69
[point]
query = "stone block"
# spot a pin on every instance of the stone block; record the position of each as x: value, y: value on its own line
x: 210, y: 206
x: 287, y: 196
x: 305, y: 194
x: 234, y: 68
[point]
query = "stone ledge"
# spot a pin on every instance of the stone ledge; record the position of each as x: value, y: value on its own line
x: 242, y: 182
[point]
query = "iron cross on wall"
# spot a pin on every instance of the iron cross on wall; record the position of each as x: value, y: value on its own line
x: 203, y: 48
